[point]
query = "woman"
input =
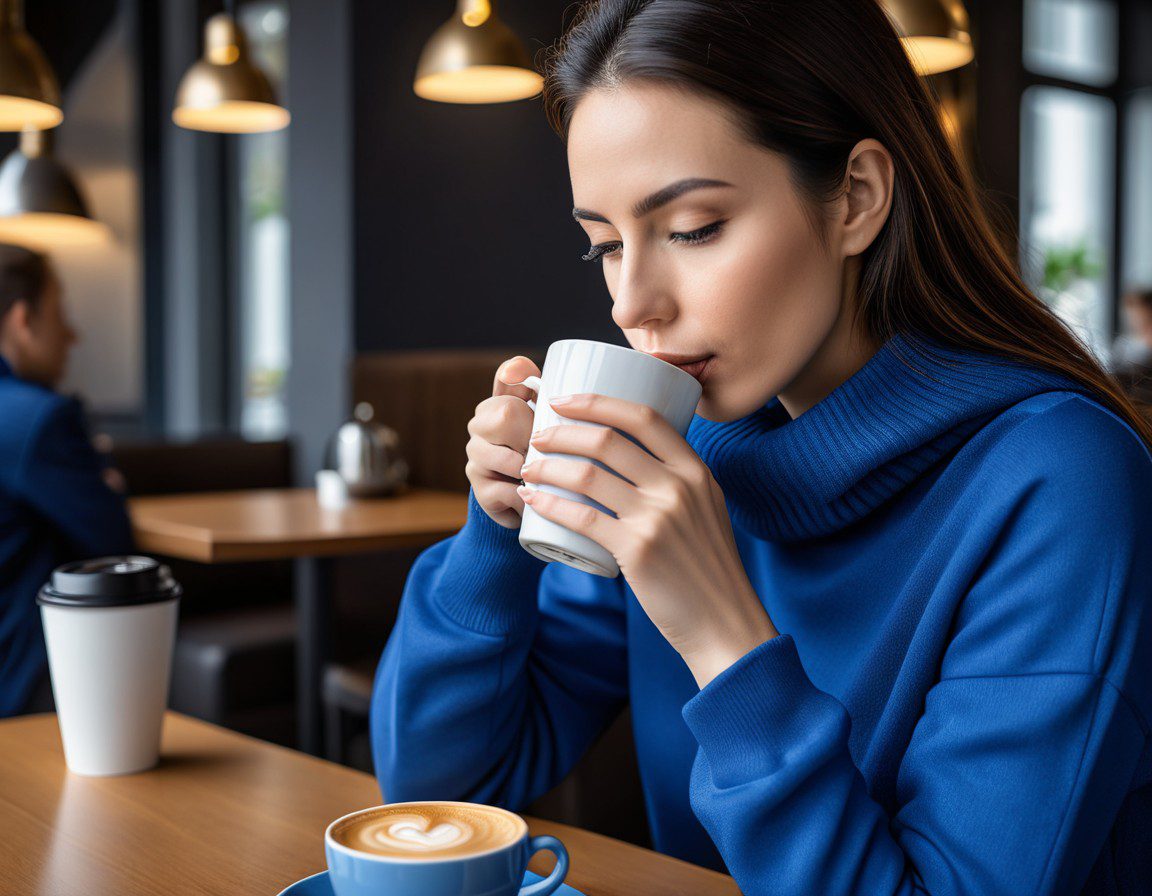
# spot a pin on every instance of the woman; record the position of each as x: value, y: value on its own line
x: 1132, y: 354
x: 884, y: 618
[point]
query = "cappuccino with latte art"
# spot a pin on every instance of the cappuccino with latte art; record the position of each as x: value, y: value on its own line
x: 437, y: 848
x: 430, y: 830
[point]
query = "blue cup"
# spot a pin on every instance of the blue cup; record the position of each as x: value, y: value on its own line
x: 497, y: 871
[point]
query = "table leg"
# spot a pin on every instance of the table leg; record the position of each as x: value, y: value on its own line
x: 314, y: 591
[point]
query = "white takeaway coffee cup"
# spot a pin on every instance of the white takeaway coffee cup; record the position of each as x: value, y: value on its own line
x: 575, y: 366
x: 109, y: 625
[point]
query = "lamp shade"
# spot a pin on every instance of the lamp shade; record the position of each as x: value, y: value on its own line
x: 225, y: 91
x: 29, y: 94
x: 934, y: 33
x: 40, y: 204
x: 475, y: 58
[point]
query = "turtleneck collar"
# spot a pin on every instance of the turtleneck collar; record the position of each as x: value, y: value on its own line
x: 912, y: 403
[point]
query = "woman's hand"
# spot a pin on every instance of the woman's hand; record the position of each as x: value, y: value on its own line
x: 672, y: 537
x: 500, y: 430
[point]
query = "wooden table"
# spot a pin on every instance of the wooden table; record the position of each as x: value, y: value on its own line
x: 223, y: 815
x: 270, y: 524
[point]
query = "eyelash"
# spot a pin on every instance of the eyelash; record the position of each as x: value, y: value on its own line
x: 693, y: 238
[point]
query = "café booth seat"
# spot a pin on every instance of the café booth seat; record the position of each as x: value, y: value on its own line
x: 428, y: 397
x: 234, y: 660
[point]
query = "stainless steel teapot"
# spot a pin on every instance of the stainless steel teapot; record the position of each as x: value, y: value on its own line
x: 367, y: 455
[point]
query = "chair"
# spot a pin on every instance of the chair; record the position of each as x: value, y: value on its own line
x: 234, y: 657
x: 428, y: 397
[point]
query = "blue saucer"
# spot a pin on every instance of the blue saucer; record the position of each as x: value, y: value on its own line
x: 317, y: 885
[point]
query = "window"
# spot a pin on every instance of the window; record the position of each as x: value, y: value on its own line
x: 1067, y: 204
x: 1073, y: 168
x: 1071, y: 39
x: 1138, y: 211
x: 262, y: 229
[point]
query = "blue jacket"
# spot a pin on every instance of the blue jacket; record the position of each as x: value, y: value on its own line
x: 957, y: 551
x: 54, y: 507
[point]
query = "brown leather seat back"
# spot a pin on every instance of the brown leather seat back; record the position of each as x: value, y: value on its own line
x: 200, y: 465
x: 223, y: 463
x: 428, y: 397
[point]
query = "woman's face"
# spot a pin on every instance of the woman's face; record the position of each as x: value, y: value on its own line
x: 734, y: 272
x: 1139, y: 320
x: 41, y: 339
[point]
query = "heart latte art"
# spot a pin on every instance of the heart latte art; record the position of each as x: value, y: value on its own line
x: 429, y: 830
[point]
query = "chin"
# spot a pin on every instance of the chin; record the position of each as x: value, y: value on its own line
x: 720, y: 411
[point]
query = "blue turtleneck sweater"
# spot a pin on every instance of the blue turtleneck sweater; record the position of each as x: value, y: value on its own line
x: 957, y: 551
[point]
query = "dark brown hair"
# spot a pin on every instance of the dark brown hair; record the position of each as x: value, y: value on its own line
x: 23, y: 275
x: 810, y: 79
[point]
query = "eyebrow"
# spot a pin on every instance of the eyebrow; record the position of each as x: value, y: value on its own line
x: 661, y: 197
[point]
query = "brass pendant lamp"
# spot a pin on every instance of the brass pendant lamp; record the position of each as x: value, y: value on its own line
x: 29, y: 94
x: 475, y: 58
x: 934, y: 33
x: 225, y: 91
x: 40, y: 204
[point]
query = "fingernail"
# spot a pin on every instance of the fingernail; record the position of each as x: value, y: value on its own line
x: 560, y: 399
x: 536, y: 436
x: 525, y: 493
x: 525, y: 467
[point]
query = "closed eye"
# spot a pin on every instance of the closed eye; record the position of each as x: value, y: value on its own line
x: 693, y: 238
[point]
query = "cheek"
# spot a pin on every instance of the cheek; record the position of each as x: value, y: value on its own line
x: 770, y: 282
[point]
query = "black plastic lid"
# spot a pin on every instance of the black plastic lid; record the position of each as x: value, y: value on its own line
x: 109, y: 582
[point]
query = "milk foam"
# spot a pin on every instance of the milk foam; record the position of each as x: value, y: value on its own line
x: 429, y: 830
x: 415, y: 832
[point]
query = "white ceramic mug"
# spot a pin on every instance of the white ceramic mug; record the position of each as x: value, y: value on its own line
x: 576, y: 366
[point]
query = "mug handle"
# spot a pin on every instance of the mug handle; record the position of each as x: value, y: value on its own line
x: 533, y: 383
x: 553, y: 881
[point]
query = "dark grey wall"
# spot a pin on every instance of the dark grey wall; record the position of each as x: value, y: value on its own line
x: 463, y: 227
x: 320, y: 199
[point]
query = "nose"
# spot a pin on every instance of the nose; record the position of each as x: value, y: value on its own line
x: 641, y: 300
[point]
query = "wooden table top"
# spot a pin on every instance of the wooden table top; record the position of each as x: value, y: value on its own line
x: 227, y: 814
x: 268, y: 524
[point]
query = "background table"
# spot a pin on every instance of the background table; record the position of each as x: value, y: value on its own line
x: 270, y: 524
x: 224, y: 815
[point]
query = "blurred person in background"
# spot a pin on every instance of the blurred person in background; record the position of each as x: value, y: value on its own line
x: 1132, y: 355
x: 55, y: 504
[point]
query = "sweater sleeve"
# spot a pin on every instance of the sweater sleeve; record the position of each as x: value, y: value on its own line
x: 499, y: 674
x: 1028, y: 743
x: 61, y: 477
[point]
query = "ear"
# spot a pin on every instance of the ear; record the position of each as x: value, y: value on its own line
x: 870, y: 175
x: 16, y: 321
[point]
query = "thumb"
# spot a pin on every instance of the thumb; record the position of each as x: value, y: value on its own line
x: 511, y: 374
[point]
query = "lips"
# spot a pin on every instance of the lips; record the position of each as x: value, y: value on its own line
x: 695, y: 365
x: 697, y: 368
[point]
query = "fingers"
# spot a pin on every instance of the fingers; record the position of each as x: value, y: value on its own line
x: 499, y: 431
x: 503, y: 420
x: 584, y: 478
x: 613, y: 449
x: 511, y: 373
x: 639, y: 421
x: 495, y: 460
x: 501, y: 502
